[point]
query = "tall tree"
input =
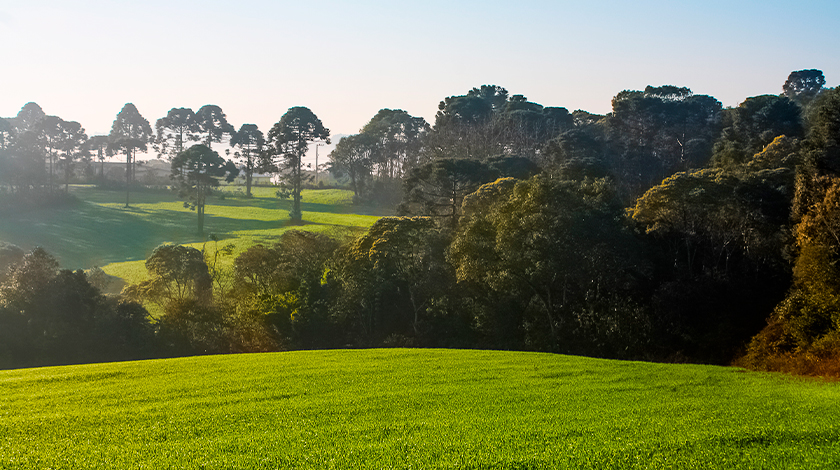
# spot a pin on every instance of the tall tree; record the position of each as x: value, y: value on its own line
x: 398, y: 138
x: 129, y: 133
x: 289, y: 139
x: 197, y: 170
x: 754, y: 124
x: 50, y: 130
x: 179, y: 126
x: 101, y: 146
x: 176, y: 274
x: 250, y: 141
x: 488, y: 121
x: 385, y: 281
x: 437, y: 189
x: 213, y: 124
x: 23, y: 164
x: 558, y: 243
x: 353, y: 156
x: 27, y: 117
x: 62, y: 141
x: 802, y: 86
x: 658, y: 131
x: 72, y: 148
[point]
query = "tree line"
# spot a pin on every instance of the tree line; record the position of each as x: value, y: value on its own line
x: 669, y: 229
x: 35, y: 147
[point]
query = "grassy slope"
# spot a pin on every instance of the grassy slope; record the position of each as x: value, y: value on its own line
x: 413, y: 409
x: 100, y: 231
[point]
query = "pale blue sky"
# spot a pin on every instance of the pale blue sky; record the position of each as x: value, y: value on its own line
x: 83, y: 60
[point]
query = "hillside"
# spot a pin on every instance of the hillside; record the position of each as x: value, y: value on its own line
x: 99, y: 230
x: 413, y: 409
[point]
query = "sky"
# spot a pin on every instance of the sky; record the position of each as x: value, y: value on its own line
x: 83, y: 60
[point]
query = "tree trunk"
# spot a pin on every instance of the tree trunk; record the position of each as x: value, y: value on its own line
x: 199, y: 206
x: 127, y: 175
x: 297, y: 215
x: 51, y: 172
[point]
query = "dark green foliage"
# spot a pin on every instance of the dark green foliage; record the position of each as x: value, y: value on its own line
x: 654, y: 133
x: 803, y: 333
x: 802, y: 86
x: 754, y: 124
x: 392, y: 282
x: 487, y: 121
x: 251, y: 143
x: 396, y: 139
x: 177, y: 274
x: 354, y: 156
x: 212, y: 122
x: 437, y: 189
x: 51, y: 316
x: 284, y: 283
x: 130, y: 132
x: 196, y: 171
x: 667, y: 229
x: 289, y: 140
x: 179, y: 126
x: 557, y: 243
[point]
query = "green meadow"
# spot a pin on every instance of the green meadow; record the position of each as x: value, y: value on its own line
x: 100, y: 231
x: 402, y: 408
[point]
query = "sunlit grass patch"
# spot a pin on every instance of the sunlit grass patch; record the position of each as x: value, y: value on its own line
x: 413, y: 409
x: 99, y: 230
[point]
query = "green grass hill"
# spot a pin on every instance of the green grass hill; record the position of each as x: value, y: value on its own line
x: 402, y: 408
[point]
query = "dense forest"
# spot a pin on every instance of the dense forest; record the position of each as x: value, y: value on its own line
x: 671, y: 229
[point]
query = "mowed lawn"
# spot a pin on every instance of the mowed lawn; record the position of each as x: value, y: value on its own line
x: 99, y: 230
x: 413, y: 409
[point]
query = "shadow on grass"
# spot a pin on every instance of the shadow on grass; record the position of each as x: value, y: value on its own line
x: 88, y: 233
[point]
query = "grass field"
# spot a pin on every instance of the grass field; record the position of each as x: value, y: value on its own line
x: 100, y: 231
x: 413, y: 409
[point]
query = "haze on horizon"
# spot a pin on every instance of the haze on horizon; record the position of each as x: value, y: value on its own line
x: 256, y: 58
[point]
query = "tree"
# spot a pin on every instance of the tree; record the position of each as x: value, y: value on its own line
x: 179, y: 281
x: 197, y: 170
x: 28, y: 117
x: 437, y: 188
x: 130, y: 132
x: 577, y: 153
x: 386, y: 280
x: 289, y: 139
x: 284, y: 282
x: 753, y: 125
x: 213, y: 123
x: 659, y: 131
x: 22, y: 163
x: 176, y: 274
x: 824, y: 135
x: 353, y: 156
x: 802, y: 86
x: 180, y: 125
x: 556, y: 244
x: 251, y: 143
x: 52, y: 316
x: 61, y: 141
x: 72, y: 147
x: 398, y: 137
x: 101, y: 144
x: 525, y: 126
